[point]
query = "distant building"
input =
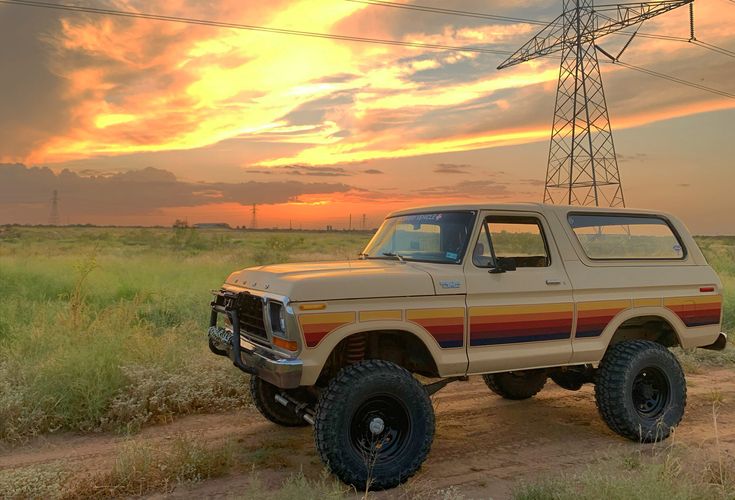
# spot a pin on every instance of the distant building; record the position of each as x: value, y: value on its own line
x: 212, y: 225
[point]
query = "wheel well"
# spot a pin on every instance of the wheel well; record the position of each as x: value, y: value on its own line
x: 654, y: 328
x: 400, y: 347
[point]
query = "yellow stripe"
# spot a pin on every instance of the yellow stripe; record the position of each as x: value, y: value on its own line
x: 380, y: 315
x: 603, y: 304
x: 521, y: 309
x: 447, y: 312
x: 326, y: 318
x: 647, y: 302
x: 696, y: 300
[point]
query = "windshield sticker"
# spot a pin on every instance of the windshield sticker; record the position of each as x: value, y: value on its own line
x: 451, y: 255
x: 412, y: 219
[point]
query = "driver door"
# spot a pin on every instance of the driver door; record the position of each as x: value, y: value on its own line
x: 519, y: 298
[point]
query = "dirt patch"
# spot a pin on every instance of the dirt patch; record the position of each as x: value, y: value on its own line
x: 484, y: 445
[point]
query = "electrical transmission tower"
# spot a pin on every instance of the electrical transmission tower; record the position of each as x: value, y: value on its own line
x: 53, y: 218
x: 254, y: 218
x: 582, y: 167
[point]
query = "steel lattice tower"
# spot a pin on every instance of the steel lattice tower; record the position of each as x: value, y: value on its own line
x: 53, y: 218
x: 582, y: 167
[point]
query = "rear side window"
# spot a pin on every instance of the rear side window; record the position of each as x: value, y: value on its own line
x: 610, y: 236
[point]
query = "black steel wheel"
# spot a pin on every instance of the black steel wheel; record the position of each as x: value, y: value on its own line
x: 650, y: 392
x: 516, y: 385
x: 264, y: 399
x: 640, y: 390
x: 374, y: 425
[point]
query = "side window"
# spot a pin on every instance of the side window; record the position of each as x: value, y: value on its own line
x: 621, y: 236
x: 511, y: 237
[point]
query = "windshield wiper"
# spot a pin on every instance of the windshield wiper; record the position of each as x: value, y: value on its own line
x: 396, y: 255
x: 363, y: 255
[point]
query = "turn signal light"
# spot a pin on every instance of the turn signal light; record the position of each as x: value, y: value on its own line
x: 312, y: 307
x: 289, y: 345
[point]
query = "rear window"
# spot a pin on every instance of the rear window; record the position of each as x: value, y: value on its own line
x: 640, y: 237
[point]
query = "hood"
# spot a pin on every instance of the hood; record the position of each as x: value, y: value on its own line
x: 337, y: 280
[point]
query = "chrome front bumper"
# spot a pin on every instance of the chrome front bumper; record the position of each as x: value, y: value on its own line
x: 257, y: 360
x: 267, y: 364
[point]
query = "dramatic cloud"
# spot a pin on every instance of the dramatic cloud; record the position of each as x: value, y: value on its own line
x: 141, y: 191
x: 249, y: 113
x: 307, y: 170
x: 452, y: 169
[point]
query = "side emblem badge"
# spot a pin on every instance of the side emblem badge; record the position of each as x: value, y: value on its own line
x: 450, y: 284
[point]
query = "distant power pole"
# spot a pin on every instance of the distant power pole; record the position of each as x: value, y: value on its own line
x: 350, y: 226
x: 254, y: 218
x: 582, y: 167
x: 364, y: 221
x: 53, y: 218
x: 290, y: 224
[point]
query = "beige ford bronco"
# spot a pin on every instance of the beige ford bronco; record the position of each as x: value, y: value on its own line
x: 514, y: 293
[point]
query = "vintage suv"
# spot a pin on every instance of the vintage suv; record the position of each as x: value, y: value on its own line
x: 515, y: 293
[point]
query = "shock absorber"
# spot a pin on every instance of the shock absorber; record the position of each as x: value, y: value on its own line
x: 355, y: 348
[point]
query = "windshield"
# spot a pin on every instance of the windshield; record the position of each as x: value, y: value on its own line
x: 437, y: 237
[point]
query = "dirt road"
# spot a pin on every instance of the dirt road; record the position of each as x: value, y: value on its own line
x: 483, y: 446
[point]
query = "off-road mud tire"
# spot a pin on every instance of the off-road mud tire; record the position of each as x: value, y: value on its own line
x: 516, y: 385
x: 263, y: 396
x: 359, y: 393
x: 626, y: 393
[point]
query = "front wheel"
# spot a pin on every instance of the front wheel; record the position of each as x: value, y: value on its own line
x: 374, y: 425
x: 640, y: 390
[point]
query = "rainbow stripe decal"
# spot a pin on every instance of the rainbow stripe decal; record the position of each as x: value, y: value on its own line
x: 445, y: 325
x: 696, y: 311
x: 317, y: 326
x: 593, y: 317
x: 521, y: 323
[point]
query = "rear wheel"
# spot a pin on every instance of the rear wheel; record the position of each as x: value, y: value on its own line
x: 641, y: 390
x: 516, y: 385
x: 374, y: 425
x: 264, y: 398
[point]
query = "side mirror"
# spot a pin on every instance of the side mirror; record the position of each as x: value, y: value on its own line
x: 503, y: 264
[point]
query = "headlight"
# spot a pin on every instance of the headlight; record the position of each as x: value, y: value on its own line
x: 277, y: 314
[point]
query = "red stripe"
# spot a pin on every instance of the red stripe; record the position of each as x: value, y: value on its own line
x: 523, y: 325
x: 507, y: 318
x: 321, y: 327
x: 603, y: 320
x: 313, y: 339
x: 514, y: 332
x: 441, y: 337
x: 599, y: 313
x: 439, y: 321
x: 445, y: 329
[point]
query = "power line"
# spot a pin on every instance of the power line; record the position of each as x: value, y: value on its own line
x: 480, y: 15
x: 438, y: 10
x: 250, y: 27
x: 715, y: 48
x: 675, y: 79
x: 222, y: 24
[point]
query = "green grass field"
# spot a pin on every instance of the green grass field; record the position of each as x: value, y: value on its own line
x: 104, y: 328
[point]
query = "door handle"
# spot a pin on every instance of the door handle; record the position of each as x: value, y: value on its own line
x: 553, y: 282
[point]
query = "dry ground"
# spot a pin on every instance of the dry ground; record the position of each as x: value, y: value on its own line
x: 484, y: 445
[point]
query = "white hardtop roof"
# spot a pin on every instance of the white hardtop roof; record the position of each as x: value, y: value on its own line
x: 520, y: 207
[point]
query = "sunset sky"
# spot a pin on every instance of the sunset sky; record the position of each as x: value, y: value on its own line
x: 142, y: 122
